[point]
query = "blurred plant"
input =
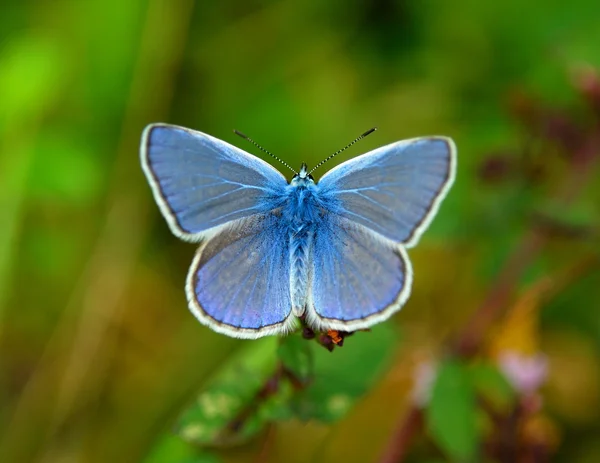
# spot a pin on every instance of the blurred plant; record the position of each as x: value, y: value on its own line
x: 469, y: 398
x: 275, y: 379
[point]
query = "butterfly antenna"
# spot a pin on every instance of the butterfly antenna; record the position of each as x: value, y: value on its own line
x: 264, y: 150
x: 368, y: 132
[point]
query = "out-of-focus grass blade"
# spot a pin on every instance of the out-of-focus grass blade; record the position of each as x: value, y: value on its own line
x: 30, y: 80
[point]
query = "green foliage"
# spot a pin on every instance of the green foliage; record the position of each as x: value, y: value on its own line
x: 265, y: 383
x: 224, y: 411
x: 452, y: 412
x: 491, y: 385
x: 171, y: 449
x: 342, y: 376
x: 296, y: 356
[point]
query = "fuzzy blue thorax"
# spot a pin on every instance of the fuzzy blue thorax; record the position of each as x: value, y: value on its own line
x: 302, y: 195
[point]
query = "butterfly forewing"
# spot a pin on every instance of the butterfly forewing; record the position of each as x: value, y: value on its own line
x: 394, y: 190
x: 201, y: 182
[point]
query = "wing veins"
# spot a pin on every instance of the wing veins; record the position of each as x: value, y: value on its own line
x: 369, y: 253
x: 234, y: 212
x: 261, y: 264
x: 337, y: 287
x: 371, y: 200
x: 354, y: 270
x: 222, y: 182
x: 367, y: 188
x: 264, y: 304
x: 229, y: 262
x: 346, y: 211
x: 250, y: 294
x: 239, y: 288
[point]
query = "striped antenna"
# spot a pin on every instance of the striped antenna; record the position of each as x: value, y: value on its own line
x: 368, y: 132
x: 264, y: 150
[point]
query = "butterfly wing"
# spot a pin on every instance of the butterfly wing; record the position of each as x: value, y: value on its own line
x: 394, y: 190
x: 359, y: 277
x: 200, y: 182
x: 378, y: 204
x: 239, y: 282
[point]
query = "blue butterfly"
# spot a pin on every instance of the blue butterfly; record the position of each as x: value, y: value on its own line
x: 332, y: 252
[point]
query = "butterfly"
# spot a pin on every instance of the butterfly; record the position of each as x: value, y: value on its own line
x: 331, y: 252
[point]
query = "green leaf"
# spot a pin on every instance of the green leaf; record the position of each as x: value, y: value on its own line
x: 265, y: 410
x: 491, y: 384
x: 342, y: 376
x: 452, y: 415
x: 171, y: 449
x: 296, y: 356
x: 224, y: 412
x: 253, y: 390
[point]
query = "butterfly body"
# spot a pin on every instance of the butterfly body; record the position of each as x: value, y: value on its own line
x: 302, y: 210
x: 332, y: 251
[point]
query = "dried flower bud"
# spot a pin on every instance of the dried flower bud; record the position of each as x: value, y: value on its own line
x: 308, y: 333
x: 326, y: 342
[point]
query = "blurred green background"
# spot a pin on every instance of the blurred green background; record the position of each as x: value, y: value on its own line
x: 99, y: 354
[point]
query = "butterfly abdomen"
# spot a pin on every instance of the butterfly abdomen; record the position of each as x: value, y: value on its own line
x: 302, y: 216
x: 300, y: 248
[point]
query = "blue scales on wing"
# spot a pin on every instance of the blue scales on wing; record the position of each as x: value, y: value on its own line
x: 201, y: 182
x: 394, y: 190
x: 359, y: 277
x: 239, y: 282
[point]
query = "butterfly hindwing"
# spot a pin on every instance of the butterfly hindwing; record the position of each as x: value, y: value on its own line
x: 201, y: 182
x: 359, y: 277
x: 394, y: 190
x: 239, y: 282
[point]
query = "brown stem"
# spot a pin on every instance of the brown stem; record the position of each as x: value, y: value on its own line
x: 403, y: 435
x: 499, y: 295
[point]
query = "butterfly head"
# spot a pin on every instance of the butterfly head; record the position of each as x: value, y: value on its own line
x: 302, y: 177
